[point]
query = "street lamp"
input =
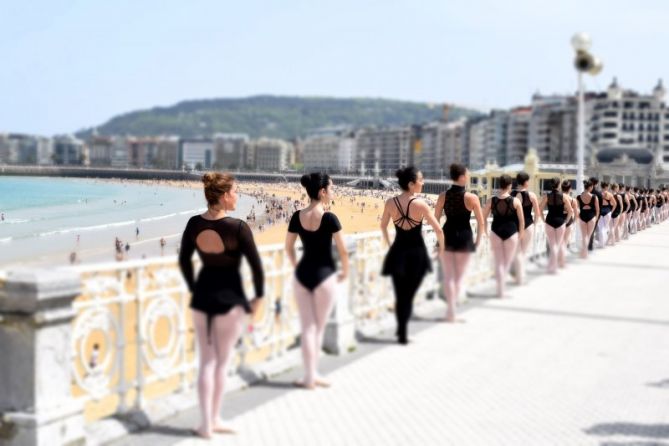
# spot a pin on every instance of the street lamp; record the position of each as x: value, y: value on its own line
x: 584, y: 62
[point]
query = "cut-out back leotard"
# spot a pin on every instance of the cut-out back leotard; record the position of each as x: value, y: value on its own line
x: 218, y: 287
x: 317, y: 263
x: 588, y: 210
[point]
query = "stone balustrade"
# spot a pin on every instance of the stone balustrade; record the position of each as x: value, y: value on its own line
x: 79, y: 344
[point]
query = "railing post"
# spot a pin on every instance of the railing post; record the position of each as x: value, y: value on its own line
x: 339, y: 335
x: 36, y: 403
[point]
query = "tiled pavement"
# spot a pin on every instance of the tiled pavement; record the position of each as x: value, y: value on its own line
x: 580, y: 358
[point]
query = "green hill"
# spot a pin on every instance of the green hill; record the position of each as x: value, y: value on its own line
x: 272, y: 116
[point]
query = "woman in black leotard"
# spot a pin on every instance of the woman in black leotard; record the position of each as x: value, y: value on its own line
x: 407, y: 260
x: 614, y: 228
x: 588, y: 211
x: 608, y: 205
x: 316, y: 280
x: 458, y: 205
x: 528, y: 200
x: 559, y: 212
x: 569, y: 225
x: 507, y: 227
x: 218, y: 301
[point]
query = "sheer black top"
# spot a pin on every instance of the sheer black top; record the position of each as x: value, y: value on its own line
x: 237, y: 240
x: 504, y: 217
x: 526, y: 202
x: 457, y: 229
x: 556, y: 213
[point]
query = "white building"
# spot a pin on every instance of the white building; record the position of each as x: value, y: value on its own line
x: 68, y: 150
x: 517, y: 135
x: 270, y: 155
x: 197, y: 153
x: 230, y: 150
x: 386, y: 148
x: 552, y: 128
x: 330, y: 153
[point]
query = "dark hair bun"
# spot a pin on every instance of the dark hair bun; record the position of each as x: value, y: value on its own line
x: 405, y: 176
x: 314, y: 182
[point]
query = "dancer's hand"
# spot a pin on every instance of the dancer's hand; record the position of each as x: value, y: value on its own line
x: 255, y: 305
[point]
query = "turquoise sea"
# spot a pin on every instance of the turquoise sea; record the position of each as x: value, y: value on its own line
x: 45, y: 218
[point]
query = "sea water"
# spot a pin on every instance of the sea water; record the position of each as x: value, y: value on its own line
x: 46, y: 218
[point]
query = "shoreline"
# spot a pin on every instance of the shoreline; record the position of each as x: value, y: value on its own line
x: 272, y: 204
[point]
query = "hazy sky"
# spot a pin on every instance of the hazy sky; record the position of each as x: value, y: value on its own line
x: 66, y: 65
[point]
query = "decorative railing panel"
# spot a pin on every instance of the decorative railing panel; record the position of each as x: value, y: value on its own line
x: 133, y: 340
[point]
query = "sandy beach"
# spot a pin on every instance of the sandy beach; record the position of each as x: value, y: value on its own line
x: 267, y: 207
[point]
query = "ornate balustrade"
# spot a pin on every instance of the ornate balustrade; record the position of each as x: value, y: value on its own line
x: 129, y: 335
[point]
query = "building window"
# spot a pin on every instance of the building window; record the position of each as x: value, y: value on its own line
x: 608, y: 135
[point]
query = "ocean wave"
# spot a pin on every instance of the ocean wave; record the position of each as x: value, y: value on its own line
x: 5, y: 240
x: 87, y: 228
x: 162, y: 217
x: 13, y: 221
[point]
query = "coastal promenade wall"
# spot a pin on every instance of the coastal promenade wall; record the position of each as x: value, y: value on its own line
x: 80, y: 344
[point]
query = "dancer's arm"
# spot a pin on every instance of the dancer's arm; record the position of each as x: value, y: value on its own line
x: 566, y: 200
x: 291, y: 237
x: 439, y: 207
x: 185, y: 255
x: 521, y: 219
x: 341, y: 246
x: 473, y: 204
x: 432, y: 221
x: 385, y: 219
x: 535, y: 205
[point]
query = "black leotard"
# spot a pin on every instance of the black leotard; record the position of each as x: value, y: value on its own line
x: 556, y: 215
x: 642, y: 198
x: 618, y: 210
x: 526, y: 202
x: 505, y: 218
x: 589, y: 212
x: 607, y: 206
x: 659, y: 201
x: 218, y: 287
x: 457, y: 229
x: 317, y: 263
x: 407, y: 256
x: 633, y: 203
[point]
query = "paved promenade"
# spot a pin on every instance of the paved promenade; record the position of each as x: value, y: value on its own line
x: 581, y: 358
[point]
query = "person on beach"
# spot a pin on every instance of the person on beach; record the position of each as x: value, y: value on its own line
x: 507, y: 228
x: 528, y: 200
x: 219, y: 304
x: 458, y: 205
x: 588, y: 205
x: 559, y: 213
x: 407, y: 260
x: 569, y: 225
x: 316, y: 281
x: 163, y: 242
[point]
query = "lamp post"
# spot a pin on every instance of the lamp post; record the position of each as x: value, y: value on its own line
x: 584, y: 62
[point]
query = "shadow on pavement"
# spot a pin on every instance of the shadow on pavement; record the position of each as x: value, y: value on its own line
x: 630, y: 429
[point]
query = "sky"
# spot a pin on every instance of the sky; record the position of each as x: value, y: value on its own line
x: 66, y: 65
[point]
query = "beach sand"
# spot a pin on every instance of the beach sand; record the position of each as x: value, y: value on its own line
x: 358, y: 211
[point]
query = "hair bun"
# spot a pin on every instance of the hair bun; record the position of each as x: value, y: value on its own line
x: 305, y: 180
x: 399, y: 173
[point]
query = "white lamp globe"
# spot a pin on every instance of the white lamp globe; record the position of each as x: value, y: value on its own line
x: 581, y: 42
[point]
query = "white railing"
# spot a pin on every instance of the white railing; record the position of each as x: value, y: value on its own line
x: 132, y: 332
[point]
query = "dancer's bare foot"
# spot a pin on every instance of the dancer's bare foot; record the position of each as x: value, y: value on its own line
x: 453, y: 320
x: 202, y: 433
x: 221, y: 428
x: 322, y: 382
x: 301, y: 384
